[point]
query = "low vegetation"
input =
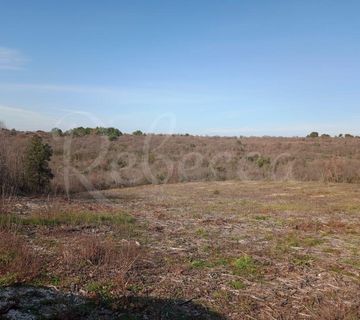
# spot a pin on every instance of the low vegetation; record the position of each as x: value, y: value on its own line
x: 83, y: 160
x: 254, y: 233
x: 18, y: 260
x: 25, y: 168
x: 235, y: 248
x: 69, y: 218
x: 112, y: 133
x: 63, y: 245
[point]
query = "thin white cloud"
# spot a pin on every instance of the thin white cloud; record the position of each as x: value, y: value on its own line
x: 57, y: 88
x: 125, y: 95
x: 23, y: 119
x: 11, y: 59
x: 29, y: 120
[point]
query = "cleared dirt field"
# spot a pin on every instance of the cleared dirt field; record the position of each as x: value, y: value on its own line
x: 233, y: 250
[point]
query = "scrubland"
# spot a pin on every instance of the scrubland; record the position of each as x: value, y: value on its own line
x: 95, y: 162
x: 242, y: 228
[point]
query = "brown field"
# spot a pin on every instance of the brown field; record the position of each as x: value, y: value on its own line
x: 198, y: 250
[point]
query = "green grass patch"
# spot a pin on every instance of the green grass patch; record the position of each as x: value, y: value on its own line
x: 69, y: 218
x: 303, y: 260
x: 135, y: 288
x: 292, y: 240
x: 261, y: 218
x: 201, y: 232
x: 45, y: 279
x: 312, y: 242
x: 245, y: 266
x: 355, y: 263
x: 101, y: 289
x: 221, y: 295
x: 285, y: 244
x: 200, y: 264
x: 237, y: 285
x: 8, y: 279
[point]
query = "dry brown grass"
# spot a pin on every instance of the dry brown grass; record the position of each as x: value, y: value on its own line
x: 18, y: 261
x: 252, y: 249
x: 257, y: 250
x: 6, y: 202
x: 72, y: 245
x: 102, y: 258
x: 263, y: 250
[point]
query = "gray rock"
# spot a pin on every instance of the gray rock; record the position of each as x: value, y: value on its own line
x: 32, y: 303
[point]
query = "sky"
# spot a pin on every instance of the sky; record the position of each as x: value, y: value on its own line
x: 206, y: 67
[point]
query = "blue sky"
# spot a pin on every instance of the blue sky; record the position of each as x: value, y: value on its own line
x: 226, y: 67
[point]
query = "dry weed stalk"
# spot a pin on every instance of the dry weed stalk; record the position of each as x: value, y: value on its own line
x: 18, y: 262
x: 102, y: 258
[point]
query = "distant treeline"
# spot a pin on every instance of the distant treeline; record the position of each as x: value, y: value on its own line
x: 111, y: 132
x: 315, y: 134
x: 86, y: 162
x: 114, y: 133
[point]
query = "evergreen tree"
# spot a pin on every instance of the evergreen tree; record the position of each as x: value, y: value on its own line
x: 37, y: 171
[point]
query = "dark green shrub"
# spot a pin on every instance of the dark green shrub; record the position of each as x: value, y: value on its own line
x: 138, y: 133
x: 313, y: 135
x: 37, y: 175
x: 56, y: 132
x: 252, y: 157
x: 80, y: 131
x: 113, y: 137
x: 263, y: 161
x: 112, y: 133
